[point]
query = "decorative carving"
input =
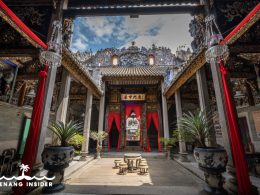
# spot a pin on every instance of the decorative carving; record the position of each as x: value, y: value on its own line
x: 67, y: 31
x: 197, y: 31
x: 74, y: 67
x: 191, y: 68
x: 132, y: 56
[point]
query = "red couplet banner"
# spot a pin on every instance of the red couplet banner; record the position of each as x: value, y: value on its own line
x: 133, y: 122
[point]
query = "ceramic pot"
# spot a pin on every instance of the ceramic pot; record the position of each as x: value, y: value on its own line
x: 213, y: 162
x: 55, y: 160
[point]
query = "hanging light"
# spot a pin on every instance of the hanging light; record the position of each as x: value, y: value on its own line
x: 52, y: 56
x: 215, y: 51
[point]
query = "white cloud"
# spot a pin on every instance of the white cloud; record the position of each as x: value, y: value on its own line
x: 101, y: 26
x: 79, y: 45
x: 172, y: 33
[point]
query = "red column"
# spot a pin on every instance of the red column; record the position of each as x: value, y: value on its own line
x: 34, y: 132
x: 244, y: 184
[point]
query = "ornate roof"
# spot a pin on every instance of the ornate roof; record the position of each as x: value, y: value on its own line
x: 141, y: 71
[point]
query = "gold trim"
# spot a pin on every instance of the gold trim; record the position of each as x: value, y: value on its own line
x: 12, y: 24
x: 244, y: 28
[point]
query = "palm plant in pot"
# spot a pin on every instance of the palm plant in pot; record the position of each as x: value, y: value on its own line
x: 170, y: 142
x: 57, y: 157
x: 212, y: 160
x: 98, y: 136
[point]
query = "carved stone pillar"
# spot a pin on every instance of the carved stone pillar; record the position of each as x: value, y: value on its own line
x: 87, y: 121
x: 63, y: 99
x: 231, y: 184
x: 204, y: 100
x: 165, y: 115
x: 182, y: 145
x: 50, y: 82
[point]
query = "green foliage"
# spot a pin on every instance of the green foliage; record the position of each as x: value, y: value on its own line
x: 195, y: 127
x: 65, y: 131
x: 98, y: 136
x: 171, y: 141
x: 77, y: 141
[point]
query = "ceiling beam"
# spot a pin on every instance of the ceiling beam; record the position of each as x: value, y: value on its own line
x: 244, y: 48
x: 96, y: 3
x: 116, y: 11
x: 7, y: 53
x: 11, y: 3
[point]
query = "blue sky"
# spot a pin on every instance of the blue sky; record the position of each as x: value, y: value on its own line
x: 119, y: 31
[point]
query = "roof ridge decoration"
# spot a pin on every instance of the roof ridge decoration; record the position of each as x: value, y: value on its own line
x: 79, y: 71
x: 133, y: 56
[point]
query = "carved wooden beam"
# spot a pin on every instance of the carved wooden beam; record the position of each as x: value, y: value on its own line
x: 193, y: 66
x: 29, y: 2
x: 76, y: 70
x: 18, y: 53
x: 244, y: 48
x: 116, y: 11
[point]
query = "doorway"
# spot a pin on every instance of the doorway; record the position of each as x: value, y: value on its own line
x: 113, y: 136
x: 153, y: 136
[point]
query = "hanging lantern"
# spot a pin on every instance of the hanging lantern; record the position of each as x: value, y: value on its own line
x: 52, y: 56
x: 215, y: 51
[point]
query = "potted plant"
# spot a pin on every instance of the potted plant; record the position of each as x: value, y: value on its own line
x: 170, y: 142
x: 98, y: 136
x: 57, y: 157
x: 212, y: 160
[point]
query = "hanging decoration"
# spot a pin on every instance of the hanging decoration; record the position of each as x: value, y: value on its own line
x: 52, y: 56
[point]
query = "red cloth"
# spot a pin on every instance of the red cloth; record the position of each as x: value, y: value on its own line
x: 244, y: 184
x: 155, y: 117
x: 114, y: 116
x: 21, y: 25
x: 137, y: 108
x: 31, y: 146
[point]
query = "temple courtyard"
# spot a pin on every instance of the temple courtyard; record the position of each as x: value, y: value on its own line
x: 165, y: 177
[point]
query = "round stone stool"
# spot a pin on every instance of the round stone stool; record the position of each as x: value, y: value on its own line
x: 117, y: 162
x: 122, y: 168
x: 143, y: 167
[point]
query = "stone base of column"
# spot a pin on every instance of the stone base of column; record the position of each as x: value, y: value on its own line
x: 183, y: 157
x: 84, y: 156
x: 231, y: 183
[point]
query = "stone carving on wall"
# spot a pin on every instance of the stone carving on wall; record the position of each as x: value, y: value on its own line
x: 133, y: 56
x: 237, y: 9
x: 240, y: 92
x: 197, y: 31
x: 67, y: 31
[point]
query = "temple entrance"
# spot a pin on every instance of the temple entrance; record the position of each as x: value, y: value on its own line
x: 113, y: 136
x: 153, y: 136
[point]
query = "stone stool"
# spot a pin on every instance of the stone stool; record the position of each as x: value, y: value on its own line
x: 117, y: 162
x: 140, y: 161
x: 122, y: 168
x: 143, y: 168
